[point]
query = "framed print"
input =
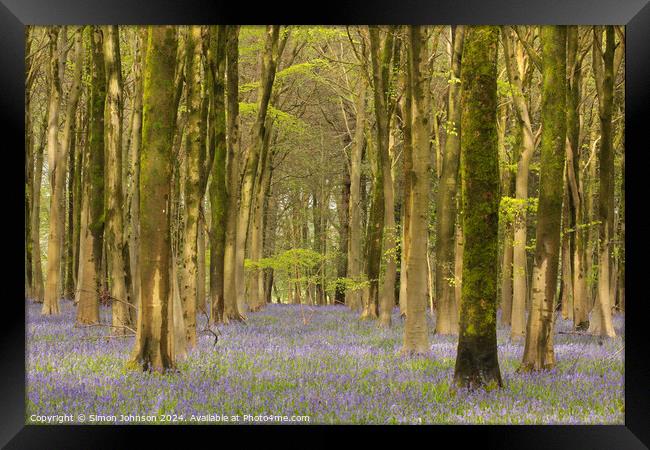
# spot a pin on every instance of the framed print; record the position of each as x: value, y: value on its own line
x: 405, y: 217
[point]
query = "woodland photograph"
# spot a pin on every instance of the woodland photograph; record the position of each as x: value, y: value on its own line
x: 290, y: 224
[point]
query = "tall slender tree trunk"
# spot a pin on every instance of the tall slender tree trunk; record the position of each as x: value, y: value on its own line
x: 56, y: 152
x: 353, y: 297
x: 603, y: 66
x: 592, y: 234
x: 68, y: 279
x: 152, y: 349
x: 506, y: 276
x: 576, y: 194
x: 476, y: 359
x: 231, y: 310
x: 200, y: 272
x: 257, y: 225
x: 37, y: 290
x: 343, y: 209
x: 133, y: 201
x: 92, y: 216
x: 515, y: 66
x: 29, y: 161
x: 538, y: 351
x: 373, y: 239
x: 189, y: 265
x: 507, y: 190
x: 407, y: 203
x: 76, y: 198
x: 269, y: 241
x: 383, y: 229
x: 269, y: 64
x: 117, y: 256
x: 566, y: 298
x: 415, y: 329
x: 218, y: 181
x: 447, y: 311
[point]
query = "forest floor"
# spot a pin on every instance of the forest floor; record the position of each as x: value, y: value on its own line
x: 320, y: 362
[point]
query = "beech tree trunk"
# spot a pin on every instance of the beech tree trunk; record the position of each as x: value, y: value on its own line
x: 576, y: 194
x: 37, y: 291
x: 152, y: 350
x: 231, y: 305
x: 603, y: 65
x: 116, y: 244
x: 269, y: 64
x: 354, y: 272
x: 381, y: 69
x: 343, y: 210
x: 516, y: 68
x: 407, y: 203
x: 56, y: 166
x: 415, y: 328
x: 68, y: 280
x: 538, y: 351
x: 133, y: 200
x: 447, y: 308
x: 92, y: 218
x: 257, y: 225
x: 29, y: 160
x: 189, y: 265
x: 476, y: 359
x: 218, y: 186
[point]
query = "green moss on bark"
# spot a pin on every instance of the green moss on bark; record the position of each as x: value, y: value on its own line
x: 476, y: 361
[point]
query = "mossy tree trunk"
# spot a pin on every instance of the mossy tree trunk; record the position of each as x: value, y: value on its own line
x: 538, y: 351
x: 231, y: 310
x: 152, y: 345
x: 373, y: 239
x: 576, y: 195
x: 68, y: 279
x: 476, y: 359
x: 218, y: 187
x: 92, y: 216
x: 382, y: 229
x: 603, y: 67
x: 447, y: 311
x: 192, y: 194
x: 354, y: 266
x: 117, y: 257
x: 382, y: 65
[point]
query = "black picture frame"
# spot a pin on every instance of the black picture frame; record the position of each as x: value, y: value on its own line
x: 15, y: 14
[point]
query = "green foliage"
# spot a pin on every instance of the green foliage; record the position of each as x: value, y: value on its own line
x: 284, y: 121
x: 504, y: 89
x: 346, y: 284
x: 305, y: 69
x: 450, y: 128
x: 512, y: 209
x: 290, y: 260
